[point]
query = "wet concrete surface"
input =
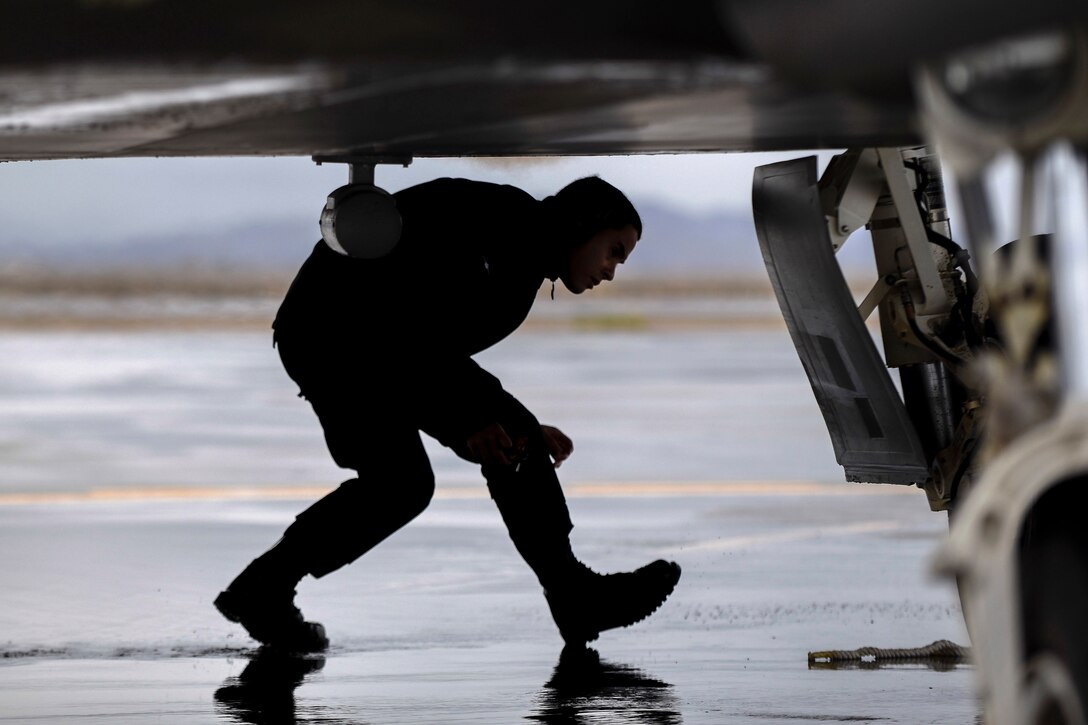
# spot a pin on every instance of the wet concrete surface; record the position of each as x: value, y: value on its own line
x: 106, y: 616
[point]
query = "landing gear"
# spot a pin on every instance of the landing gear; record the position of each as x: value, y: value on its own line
x: 1018, y: 546
x: 993, y: 422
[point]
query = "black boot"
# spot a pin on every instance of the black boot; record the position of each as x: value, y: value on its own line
x: 583, y: 603
x: 261, y: 599
x: 333, y: 532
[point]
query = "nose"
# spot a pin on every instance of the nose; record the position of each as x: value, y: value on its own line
x: 608, y: 272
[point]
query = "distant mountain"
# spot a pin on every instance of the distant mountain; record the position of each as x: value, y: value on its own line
x: 715, y: 244
x: 678, y: 242
x: 265, y: 244
x: 674, y: 242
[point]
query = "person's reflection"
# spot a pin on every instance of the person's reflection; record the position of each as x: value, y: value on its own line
x: 585, y: 688
x: 264, y: 693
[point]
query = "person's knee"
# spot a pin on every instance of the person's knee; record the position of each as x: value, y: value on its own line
x: 419, y: 494
x: 398, y: 501
x: 407, y: 488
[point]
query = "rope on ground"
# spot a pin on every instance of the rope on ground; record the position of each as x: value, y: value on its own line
x: 942, y: 649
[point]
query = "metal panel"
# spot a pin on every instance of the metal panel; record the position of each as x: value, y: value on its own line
x: 873, y: 437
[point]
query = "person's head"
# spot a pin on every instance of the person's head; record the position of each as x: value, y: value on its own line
x: 601, y: 228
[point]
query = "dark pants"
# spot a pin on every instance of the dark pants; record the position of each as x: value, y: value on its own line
x: 372, y: 413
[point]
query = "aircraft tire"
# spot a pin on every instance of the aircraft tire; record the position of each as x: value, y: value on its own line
x: 1054, y: 595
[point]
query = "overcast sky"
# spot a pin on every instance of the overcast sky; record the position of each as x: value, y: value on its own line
x: 66, y: 202
x: 70, y: 202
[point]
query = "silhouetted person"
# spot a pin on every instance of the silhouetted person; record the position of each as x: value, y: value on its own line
x: 382, y: 349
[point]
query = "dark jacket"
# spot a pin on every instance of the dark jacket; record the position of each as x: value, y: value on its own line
x: 464, y: 275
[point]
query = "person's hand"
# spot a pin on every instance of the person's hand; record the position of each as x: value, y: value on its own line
x: 491, y: 446
x: 559, y: 446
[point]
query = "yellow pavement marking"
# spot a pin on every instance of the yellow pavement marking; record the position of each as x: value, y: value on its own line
x: 734, y: 543
x: 728, y: 488
x: 616, y: 489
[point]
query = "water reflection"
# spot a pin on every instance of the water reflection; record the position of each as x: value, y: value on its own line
x: 264, y: 693
x: 583, y: 689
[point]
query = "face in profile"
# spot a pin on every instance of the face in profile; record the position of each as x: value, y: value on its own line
x: 595, y: 260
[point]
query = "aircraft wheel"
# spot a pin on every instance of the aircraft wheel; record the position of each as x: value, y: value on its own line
x: 1051, y: 696
x: 1054, y: 593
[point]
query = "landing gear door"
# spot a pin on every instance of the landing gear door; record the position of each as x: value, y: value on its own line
x: 872, y: 434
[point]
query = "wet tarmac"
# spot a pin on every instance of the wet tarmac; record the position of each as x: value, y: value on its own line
x: 106, y: 613
x: 140, y: 472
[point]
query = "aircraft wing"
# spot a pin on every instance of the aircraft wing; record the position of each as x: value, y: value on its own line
x: 266, y: 77
x: 430, y: 78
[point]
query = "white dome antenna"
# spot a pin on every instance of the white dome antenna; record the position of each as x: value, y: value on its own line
x: 360, y: 219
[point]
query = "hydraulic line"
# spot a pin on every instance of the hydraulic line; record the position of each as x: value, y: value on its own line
x: 961, y: 258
